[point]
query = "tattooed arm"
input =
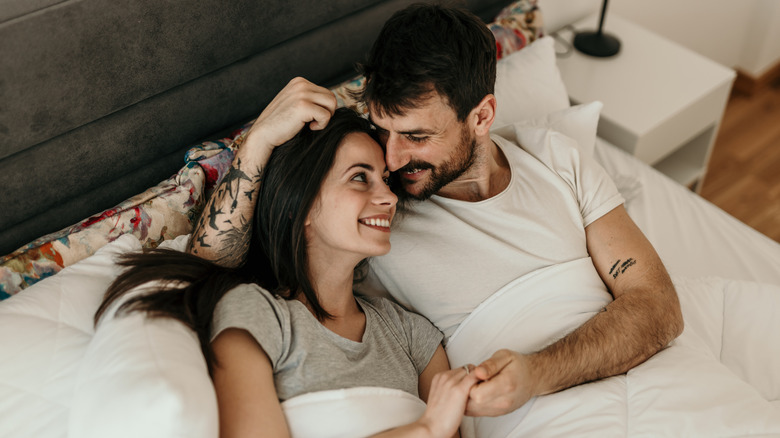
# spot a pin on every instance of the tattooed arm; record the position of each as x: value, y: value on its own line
x: 223, y: 230
x: 642, y: 319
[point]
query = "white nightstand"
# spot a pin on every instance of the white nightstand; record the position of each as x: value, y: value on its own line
x: 662, y: 102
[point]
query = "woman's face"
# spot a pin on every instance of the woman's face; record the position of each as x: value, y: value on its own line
x: 354, y: 208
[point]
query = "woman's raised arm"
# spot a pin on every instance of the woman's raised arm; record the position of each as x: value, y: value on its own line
x: 223, y: 230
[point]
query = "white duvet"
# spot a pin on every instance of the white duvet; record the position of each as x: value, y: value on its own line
x: 720, y: 378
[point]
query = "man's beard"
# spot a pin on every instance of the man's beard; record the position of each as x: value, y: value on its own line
x: 447, y: 172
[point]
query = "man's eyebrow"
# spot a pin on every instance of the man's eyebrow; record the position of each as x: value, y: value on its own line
x: 417, y: 131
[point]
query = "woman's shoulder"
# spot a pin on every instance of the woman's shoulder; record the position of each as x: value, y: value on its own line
x: 249, y: 298
x: 248, y: 292
x: 380, y: 304
x: 393, y: 312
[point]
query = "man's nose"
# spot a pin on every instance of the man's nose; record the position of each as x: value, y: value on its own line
x: 396, y: 154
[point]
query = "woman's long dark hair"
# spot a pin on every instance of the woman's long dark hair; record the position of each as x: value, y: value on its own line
x: 189, y: 287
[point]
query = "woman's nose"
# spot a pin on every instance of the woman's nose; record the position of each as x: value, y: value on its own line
x: 385, y: 196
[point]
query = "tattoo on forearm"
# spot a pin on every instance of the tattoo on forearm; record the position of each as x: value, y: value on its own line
x: 234, y: 174
x: 230, y: 240
x: 619, y: 268
x: 213, y: 213
x: 235, y: 242
x: 201, y: 241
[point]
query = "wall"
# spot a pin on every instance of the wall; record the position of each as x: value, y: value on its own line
x: 741, y: 34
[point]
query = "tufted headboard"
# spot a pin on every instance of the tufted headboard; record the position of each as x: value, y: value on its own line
x: 99, y: 99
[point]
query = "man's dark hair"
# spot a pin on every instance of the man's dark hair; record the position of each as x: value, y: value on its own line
x: 427, y: 48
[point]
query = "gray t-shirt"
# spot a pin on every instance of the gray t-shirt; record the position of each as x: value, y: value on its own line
x: 306, y: 357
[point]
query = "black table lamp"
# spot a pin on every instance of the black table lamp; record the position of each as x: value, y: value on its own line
x: 597, y: 43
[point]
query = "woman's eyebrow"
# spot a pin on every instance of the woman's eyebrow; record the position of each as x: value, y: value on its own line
x: 368, y: 167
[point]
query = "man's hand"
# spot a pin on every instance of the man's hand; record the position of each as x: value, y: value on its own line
x: 506, y: 384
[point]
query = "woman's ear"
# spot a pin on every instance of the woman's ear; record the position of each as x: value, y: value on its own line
x: 484, y: 114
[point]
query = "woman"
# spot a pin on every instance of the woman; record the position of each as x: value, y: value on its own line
x: 287, y: 322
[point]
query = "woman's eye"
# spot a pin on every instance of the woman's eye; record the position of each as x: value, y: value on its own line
x: 360, y: 177
x: 387, y: 181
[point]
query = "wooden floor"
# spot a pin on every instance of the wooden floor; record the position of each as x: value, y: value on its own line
x: 743, y: 177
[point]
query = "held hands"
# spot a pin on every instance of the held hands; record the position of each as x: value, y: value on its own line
x: 447, y: 401
x: 505, y: 385
x: 298, y: 103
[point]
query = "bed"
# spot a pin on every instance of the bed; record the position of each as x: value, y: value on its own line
x: 116, y: 121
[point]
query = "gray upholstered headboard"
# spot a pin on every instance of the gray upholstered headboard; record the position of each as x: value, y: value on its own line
x: 99, y: 99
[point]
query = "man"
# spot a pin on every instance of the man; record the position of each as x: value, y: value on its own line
x: 429, y: 89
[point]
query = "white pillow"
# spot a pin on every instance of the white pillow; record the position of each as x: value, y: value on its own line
x: 143, y: 377
x: 578, y: 122
x: 529, y: 84
x: 45, y: 331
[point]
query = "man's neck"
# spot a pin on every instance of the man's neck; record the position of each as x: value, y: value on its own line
x: 487, y: 177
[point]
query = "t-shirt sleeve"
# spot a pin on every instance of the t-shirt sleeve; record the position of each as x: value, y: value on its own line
x: 596, y: 193
x: 421, y: 337
x: 252, y: 308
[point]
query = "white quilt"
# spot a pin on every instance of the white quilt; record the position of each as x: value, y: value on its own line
x: 721, y: 377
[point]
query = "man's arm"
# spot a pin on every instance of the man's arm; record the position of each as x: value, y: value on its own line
x: 643, y: 318
x: 224, y: 228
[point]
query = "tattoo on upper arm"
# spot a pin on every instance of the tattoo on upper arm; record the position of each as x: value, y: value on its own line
x: 619, y: 268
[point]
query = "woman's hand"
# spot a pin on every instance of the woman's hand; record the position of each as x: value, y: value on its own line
x: 447, y: 401
x: 299, y: 103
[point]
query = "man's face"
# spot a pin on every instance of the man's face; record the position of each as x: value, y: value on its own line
x: 427, y: 146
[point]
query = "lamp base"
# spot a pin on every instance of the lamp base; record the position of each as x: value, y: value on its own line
x: 596, y: 44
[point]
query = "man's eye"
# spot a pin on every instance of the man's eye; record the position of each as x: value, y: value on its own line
x: 360, y: 177
x: 414, y: 139
x: 387, y: 181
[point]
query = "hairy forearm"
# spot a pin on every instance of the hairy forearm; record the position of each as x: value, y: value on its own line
x: 631, y: 329
x: 223, y: 230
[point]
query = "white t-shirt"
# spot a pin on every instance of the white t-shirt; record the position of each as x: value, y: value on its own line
x: 448, y: 256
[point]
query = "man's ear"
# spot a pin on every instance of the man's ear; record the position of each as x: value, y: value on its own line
x: 484, y: 114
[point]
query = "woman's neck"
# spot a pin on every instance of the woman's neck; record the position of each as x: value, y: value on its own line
x: 332, y: 279
x: 333, y: 284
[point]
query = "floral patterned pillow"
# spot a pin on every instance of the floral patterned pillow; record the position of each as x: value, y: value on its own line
x: 162, y: 212
x: 516, y: 26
